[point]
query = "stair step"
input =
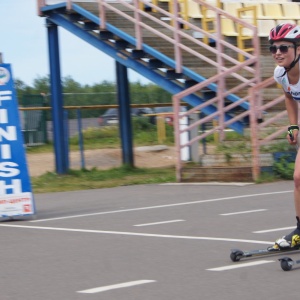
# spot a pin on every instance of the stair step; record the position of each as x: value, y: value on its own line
x: 238, y: 168
x: 197, y: 65
x: 221, y: 174
x: 234, y: 160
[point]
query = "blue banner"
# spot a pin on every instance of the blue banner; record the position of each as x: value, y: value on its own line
x: 16, y: 198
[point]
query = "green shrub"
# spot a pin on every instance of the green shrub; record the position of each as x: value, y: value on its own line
x: 284, y: 169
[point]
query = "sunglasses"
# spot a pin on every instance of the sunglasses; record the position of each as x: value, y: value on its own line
x: 282, y: 48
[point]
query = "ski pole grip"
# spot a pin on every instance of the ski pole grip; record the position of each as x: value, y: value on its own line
x: 291, y: 128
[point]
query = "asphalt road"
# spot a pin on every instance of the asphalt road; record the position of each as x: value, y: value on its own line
x: 150, y: 242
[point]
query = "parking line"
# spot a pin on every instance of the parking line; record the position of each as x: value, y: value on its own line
x: 115, y: 286
x: 161, y: 206
x: 243, y: 212
x: 138, y: 234
x: 273, y: 230
x: 158, y: 223
x: 237, y: 266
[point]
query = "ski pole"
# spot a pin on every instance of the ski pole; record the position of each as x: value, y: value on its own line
x: 292, y: 138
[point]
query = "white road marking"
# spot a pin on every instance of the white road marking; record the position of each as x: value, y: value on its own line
x: 237, y: 266
x: 159, y: 206
x: 115, y: 286
x: 158, y: 223
x: 139, y: 234
x: 275, y: 229
x: 243, y: 212
x: 209, y: 183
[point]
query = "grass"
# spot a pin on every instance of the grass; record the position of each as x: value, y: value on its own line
x: 145, y: 134
x: 97, y: 179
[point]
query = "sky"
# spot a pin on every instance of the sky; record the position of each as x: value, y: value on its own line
x: 23, y: 44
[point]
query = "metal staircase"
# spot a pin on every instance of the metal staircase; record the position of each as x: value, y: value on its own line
x: 166, y: 55
x: 172, y: 53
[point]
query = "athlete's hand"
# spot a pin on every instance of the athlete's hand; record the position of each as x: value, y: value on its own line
x: 292, y: 137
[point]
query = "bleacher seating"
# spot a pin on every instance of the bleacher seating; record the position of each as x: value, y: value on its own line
x: 194, y: 10
x: 276, y: 11
x: 228, y: 27
x: 279, y: 21
x: 263, y: 25
x: 210, y: 13
x: 232, y: 7
x: 259, y: 10
x: 259, y: 1
x: 273, y: 11
x: 291, y: 10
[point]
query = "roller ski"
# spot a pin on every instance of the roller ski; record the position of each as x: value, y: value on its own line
x: 288, y: 243
x: 237, y: 254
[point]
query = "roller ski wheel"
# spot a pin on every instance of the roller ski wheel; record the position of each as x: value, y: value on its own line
x: 236, y: 255
x: 286, y: 263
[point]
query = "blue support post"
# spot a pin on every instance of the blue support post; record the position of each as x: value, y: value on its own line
x: 80, y: 138
x: 59, y: 137
x: 66, y: 139
x: 124, y: 115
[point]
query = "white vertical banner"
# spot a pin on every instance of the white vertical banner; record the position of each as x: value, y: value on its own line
x: 184, y: 138
x: 16, y: 197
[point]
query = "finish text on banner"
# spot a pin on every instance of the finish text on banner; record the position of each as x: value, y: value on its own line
x: 16, y: 198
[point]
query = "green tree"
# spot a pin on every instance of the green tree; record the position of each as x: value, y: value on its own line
x: 41, y: 85
x: 22, y: 89
x: 104, y: 93
x: 149, y: 93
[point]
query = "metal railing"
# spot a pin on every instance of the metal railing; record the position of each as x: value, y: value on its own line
x: 176, y: 34
x: 223, y: 58
x: 258, y: 123
x: 251, y: 64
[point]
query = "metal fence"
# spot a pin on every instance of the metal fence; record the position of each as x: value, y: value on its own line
x: 33, y: 122
x: 36, y: 119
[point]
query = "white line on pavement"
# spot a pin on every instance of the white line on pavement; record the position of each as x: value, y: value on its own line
x: 243, y: 212
x: 237, y: 266
x: 209, y: 183
x: 158, y: 223
x: 161, y: 206
x: 273, y: 230
x: 139, y: 234
x: 115, y: 286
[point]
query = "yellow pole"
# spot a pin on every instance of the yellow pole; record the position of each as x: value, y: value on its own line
x: 216, y: 133
x: 161, y: 129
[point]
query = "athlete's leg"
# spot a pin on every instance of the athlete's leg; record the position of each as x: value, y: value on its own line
x: 293, y: 238
x: 297, y: 185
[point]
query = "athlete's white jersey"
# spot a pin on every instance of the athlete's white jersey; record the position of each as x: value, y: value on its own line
x: 292, y: 89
